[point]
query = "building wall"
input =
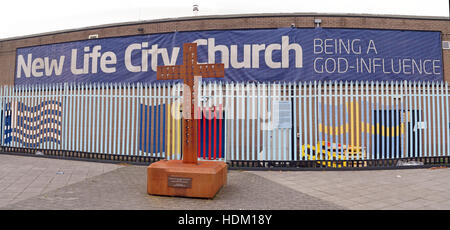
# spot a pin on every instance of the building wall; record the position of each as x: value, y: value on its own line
x: 8, y: 46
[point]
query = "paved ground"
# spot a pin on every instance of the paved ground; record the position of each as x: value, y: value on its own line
x: 415, y: 189
x: 125, y: 188
x: 37, y: 183
x: 25, y: 177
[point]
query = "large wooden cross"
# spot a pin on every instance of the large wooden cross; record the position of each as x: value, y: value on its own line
x: 190, y: 71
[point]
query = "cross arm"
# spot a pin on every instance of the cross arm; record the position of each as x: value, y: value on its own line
x: 170, y: 72
x: 209, y: 70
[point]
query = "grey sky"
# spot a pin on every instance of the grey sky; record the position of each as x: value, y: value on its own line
x: 21, y: 17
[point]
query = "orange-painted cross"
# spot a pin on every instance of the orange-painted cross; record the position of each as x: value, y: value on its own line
x: 189, y: 72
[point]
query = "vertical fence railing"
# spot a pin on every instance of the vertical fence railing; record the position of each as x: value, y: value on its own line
x: 328, y: 124
x: 345, y: 122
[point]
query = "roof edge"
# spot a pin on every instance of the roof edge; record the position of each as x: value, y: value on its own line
x: 228, y: 16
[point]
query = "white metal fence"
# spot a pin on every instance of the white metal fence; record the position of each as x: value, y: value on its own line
x: 328, y: 124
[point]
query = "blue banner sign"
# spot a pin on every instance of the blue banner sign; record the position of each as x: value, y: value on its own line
x: 287, y: 54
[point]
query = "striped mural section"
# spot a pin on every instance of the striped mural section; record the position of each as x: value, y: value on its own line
x: 33, y: 125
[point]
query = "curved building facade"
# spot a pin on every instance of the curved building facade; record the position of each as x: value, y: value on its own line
x: 258, y: 47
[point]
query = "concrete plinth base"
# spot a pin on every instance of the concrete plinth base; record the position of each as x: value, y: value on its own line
x: 175, y: 178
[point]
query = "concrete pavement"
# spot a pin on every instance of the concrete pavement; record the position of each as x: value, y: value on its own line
x: 25, y: 177
x: 40, y: 183
x: 416, y: 189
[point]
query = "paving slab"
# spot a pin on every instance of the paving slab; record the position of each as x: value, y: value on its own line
x: 42, y: 183
x: 405, y: 189
x: 23, y: 177
x: 125, y: 188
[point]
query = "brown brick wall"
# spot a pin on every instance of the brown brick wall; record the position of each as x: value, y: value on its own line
x: 8, y: 47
